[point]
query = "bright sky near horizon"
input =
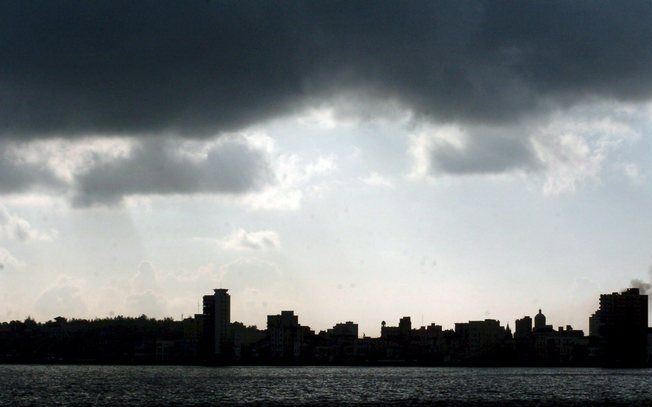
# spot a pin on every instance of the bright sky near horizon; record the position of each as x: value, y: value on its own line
x: 467, y: 161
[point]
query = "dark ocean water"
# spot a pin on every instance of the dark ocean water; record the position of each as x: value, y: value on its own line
x: 147, y: 385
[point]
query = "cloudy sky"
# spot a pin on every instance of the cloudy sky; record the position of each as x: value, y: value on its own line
x: 347, y: 160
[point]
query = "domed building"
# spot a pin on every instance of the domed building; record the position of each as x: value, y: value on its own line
x: 540, y: 323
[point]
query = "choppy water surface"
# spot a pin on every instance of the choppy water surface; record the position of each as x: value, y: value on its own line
x: 110, y: 385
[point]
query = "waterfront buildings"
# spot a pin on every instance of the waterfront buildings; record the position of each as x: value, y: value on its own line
x: 619, y: 336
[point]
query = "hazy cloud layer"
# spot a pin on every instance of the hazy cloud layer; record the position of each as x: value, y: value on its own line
x: 15, y: 227
x: 145, y: 278
x: 63, y: 298
x: 259, y: 240
x: 247, y: 273
x: 200, y: 67
x: 376, y: 180
x: 147, y: 303
x: 7, y: 260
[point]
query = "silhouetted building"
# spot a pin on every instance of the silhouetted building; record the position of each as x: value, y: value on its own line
x: 540, y: 323
x: 216, y: 339
x: 284, y: 335
x: 344, y: 330
x: 523, y: 328
x: 561, y: 347
x: 595, y: 324
x: 391, y: 333
x: 405, y: 327
x: 623, y: 319
x: 539, y: 320
x: 341, y: 341
x: 523, y: 340
x: 484, y: 339
x: 244, y: 340
x: 400, y: 333
x: 478, y: 342
x: 649, y: 347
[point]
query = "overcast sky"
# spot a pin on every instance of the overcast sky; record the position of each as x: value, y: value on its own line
x: 347, y: 160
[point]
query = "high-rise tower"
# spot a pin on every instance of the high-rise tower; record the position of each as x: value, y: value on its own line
x: 622, y: 328
x: 539, y: 321
x: 217, y: 320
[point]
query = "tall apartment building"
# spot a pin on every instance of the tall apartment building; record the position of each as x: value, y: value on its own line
x: 217, y: 322
x: 622, y: 328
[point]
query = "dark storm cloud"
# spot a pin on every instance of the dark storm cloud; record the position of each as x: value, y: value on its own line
x: 163, y: 168
x: 196, y: 68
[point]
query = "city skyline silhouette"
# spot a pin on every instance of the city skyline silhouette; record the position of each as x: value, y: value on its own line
x: 619, y: 336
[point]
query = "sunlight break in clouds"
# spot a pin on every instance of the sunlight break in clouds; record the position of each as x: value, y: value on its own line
x: 294, y: 176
